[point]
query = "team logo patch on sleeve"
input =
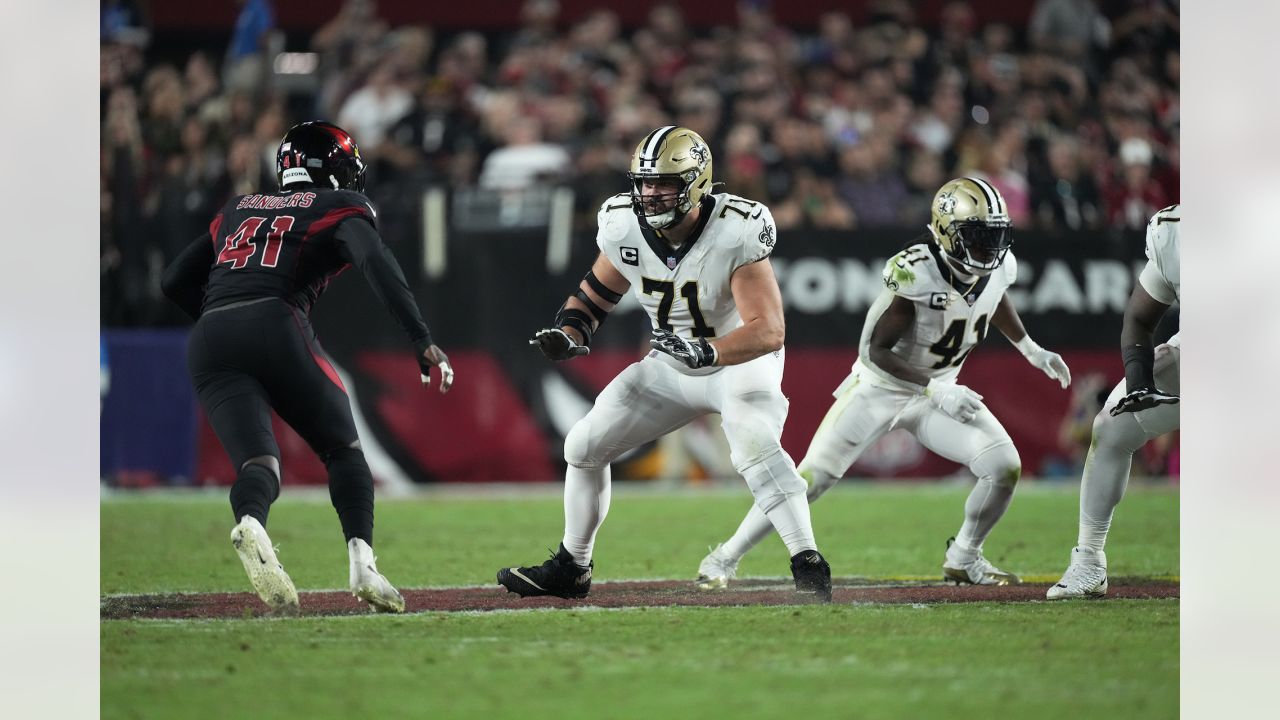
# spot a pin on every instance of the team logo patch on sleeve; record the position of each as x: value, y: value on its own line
x: 766, y: 236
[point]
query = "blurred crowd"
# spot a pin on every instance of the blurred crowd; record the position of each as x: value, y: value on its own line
x: 840, y: 126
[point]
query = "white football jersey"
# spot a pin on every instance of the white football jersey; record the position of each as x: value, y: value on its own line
x: 951, y: 316
x: 1162, y: 275
x: 687, y: 290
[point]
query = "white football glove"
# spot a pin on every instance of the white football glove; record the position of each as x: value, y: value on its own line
x: 1049, y: 362
x: 957, y: 401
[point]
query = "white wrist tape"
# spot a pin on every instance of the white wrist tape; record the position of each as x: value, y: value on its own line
x: 1027, y: 346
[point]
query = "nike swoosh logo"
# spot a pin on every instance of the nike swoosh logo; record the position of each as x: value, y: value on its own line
x: 517, y: 573
x: 758, y: 213
x: 678, y: 159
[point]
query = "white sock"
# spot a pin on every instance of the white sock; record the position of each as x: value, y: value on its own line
x: 985, y: 506
x: 1106, y: 475
x: 791, y: 519
x: 586, y: 503
x: 754, y: 528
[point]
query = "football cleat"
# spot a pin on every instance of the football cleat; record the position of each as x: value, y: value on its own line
x: 367, y: 583
x: 1086, y: 576
x: 812, y: 574
x: 559, y: 576
x: 716, y: 570
x: 265, y: 572
x: 961, y: 568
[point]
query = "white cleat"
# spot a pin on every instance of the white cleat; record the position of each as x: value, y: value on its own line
x: 1086, y: 576
x: 367, y: 583
x: 973, y: 569
x: 716, y: 570
x: 265, y: 572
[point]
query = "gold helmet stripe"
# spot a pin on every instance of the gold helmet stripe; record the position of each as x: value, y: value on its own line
x: 994, y: 202
x: 653, y: 144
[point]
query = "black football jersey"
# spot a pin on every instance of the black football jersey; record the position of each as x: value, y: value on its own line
x: 280, y: 244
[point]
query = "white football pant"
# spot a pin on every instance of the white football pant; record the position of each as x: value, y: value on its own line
x: 651, y: 398
x: 862, y: 413
x: 1115, y: 440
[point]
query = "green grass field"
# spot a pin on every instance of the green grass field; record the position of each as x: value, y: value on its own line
x: 1112, y: 658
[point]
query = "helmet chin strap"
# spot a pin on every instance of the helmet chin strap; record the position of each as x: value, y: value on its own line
x: 665, y: 220
x: 963, y: 272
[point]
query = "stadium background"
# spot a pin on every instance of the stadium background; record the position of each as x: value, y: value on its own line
x: 494, y: 129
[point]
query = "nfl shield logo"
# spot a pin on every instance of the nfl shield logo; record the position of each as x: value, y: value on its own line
x: 671, y: 263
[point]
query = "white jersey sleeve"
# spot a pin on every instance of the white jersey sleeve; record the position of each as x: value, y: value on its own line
x: 759, y: 235
x: 904, y: 274
x: 1161, y: 277
x: 1010, y: 268
x: 614, y: 221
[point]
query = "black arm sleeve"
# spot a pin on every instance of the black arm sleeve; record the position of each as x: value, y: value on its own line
x: 184, y: 280
x: 360, y: 245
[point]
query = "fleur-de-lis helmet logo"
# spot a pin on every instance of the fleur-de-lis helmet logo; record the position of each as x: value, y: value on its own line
x: 699, y: 152
x: 947, y: 203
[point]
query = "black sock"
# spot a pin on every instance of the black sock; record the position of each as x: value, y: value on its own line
x: 351, y: 491
x: 255, y: 489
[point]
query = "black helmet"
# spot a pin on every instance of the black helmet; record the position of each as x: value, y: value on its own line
x: 321, y: 154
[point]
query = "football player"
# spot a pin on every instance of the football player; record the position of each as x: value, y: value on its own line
x: 699, y: 265
x: 1141, y: 407
x: 940, y: 297
x: 250, y: 283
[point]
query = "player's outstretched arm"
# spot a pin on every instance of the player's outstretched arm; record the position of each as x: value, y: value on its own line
x: 1137, y: 347
x: 583, y: 313
x: 360, y: 245
x: 183, y: 281
x: 1009, y: 323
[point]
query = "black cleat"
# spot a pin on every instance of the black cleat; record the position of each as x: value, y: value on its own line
x: 812, y: 574
x: 558, y: 576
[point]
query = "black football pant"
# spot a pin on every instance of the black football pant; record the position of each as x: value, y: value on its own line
x: 247, y: 359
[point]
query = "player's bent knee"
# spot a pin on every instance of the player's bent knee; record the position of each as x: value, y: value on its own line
x: 753, y: 427
x: 347, y: 463
x: 1000, y: 463
x: 819, y: 482
x: 1121, y: 432
x: 772, y: 480
x: 270, y: 462
x: 579, y: 449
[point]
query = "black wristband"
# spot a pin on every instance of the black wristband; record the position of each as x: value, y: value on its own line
x: 594, y: 283
x: 1139, y: 367
x: 576, y: 319
x: 596, y: 311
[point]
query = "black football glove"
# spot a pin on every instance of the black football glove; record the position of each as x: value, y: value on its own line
x: 1143, y: 399
x: 695, y: 354
x: 557, y: 345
